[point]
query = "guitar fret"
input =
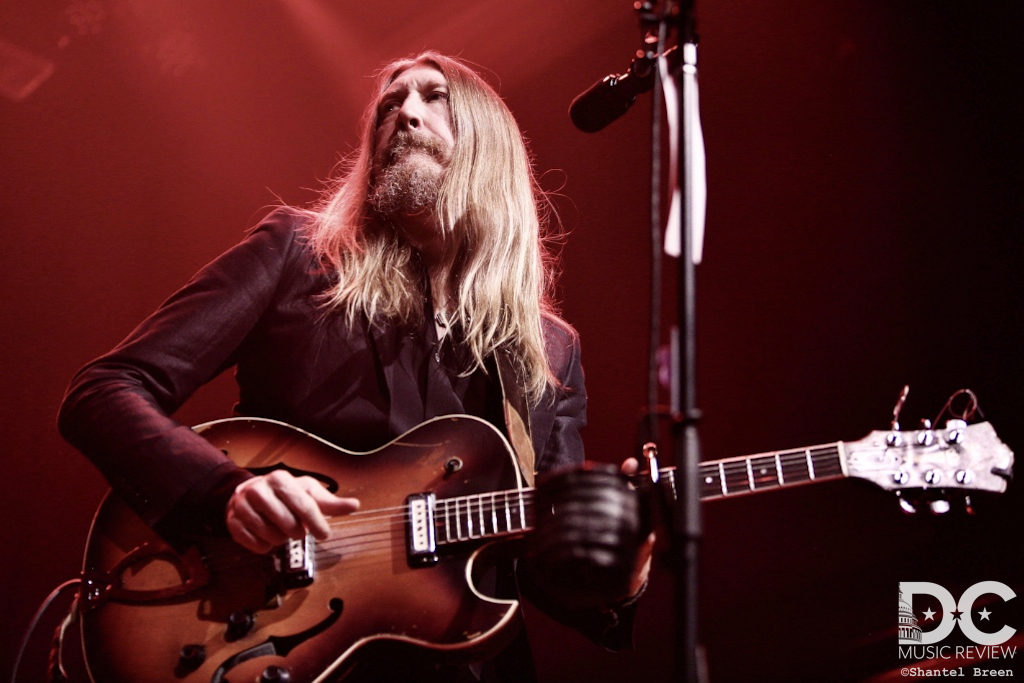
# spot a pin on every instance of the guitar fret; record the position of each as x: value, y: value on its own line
x: 483, y: 526
x: 508, y: 514
x: 795, y: 467
x: 765, y: 473
x: 828, y: 462
x: 750, y: 475
x: 721, y: 478
x: 735, y: 480
x: 522, y: 512
x: 458, y: 521
x: 709, y: 480
x: 810, y: 463
x: 778, y: 467
x: 447, y: 524
x: 494, y: 512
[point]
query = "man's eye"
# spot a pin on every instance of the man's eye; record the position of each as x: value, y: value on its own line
x: 437, y: 96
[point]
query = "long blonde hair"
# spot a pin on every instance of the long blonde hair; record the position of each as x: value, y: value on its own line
x: 489, y: 202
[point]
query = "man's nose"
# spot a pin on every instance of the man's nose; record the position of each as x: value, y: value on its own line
x: 410, y: 115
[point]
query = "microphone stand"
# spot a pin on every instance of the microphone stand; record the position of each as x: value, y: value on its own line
x: 686, y: 523
x: 591, y: 111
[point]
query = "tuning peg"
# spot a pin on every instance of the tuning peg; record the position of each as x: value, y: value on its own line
x: 955, y: 431
x: 968, y: 506
x: 926, y: 437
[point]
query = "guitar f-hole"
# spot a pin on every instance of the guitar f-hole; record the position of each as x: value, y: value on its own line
x: 279, y: 646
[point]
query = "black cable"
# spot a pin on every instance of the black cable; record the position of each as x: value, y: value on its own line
x: 54, y: 594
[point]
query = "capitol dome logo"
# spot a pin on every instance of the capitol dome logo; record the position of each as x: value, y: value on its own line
x: 910, y: 632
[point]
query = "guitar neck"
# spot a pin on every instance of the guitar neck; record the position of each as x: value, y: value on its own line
x: 510, y: 513
x: 766, y: 471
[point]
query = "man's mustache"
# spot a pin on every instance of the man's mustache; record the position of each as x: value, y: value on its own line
x: 404, y: 142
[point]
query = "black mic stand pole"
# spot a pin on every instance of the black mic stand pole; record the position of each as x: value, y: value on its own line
x: 686, y: 523
x: 591, y: 111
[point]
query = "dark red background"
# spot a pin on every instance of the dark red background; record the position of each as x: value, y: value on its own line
x: 864, y: 165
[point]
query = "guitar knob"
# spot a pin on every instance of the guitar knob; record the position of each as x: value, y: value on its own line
x: 963, y: 477
x: 275, y: 674
x: 901, y: 477
x: 191, y: 657
x: 926, y: 438
x: 894, y: 439
x: 933, y: 477
x: 240, y: 623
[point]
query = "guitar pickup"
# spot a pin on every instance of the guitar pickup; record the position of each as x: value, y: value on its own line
x: 422, y: 544
x: 293, y: 562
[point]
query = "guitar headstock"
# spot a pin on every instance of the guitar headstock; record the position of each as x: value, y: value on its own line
x: 956, y: 457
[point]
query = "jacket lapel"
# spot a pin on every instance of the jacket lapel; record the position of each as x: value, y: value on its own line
x: 517, y: 415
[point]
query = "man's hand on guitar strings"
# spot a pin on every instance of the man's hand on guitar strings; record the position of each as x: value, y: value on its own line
x: 265, y: 511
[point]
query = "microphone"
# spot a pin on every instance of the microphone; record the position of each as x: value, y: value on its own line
x: 611, y: 97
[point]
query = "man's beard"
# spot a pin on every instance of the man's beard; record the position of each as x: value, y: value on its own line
x: 404, y: 185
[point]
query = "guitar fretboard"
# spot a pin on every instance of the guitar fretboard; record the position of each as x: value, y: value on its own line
x: 483, y: 515
x: 506, y: 513
x: 754, y: 473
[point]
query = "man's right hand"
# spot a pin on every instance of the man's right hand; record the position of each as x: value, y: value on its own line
x: 265, y: 511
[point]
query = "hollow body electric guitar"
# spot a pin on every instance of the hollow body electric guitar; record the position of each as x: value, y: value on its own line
x: 400, y: 571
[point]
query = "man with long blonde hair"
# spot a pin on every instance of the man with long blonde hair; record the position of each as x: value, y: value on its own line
x: 481, y: 201
x: 417, y: 287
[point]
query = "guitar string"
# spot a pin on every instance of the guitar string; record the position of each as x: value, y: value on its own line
x: 485, y: 508
x: 497, y: 499
x: 379, y: 528
x: 786, y: 457
x: 378, y: 537
x: 472, y: 508
x: 481, y: 508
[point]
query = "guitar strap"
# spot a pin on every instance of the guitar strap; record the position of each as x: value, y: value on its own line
x: 517, y: 415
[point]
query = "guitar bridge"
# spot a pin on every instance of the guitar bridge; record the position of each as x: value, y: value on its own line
x: 293, y: 563
x: 422, y: 545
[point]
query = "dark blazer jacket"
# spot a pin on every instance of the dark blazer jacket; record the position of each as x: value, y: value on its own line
x: 257, y: 308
